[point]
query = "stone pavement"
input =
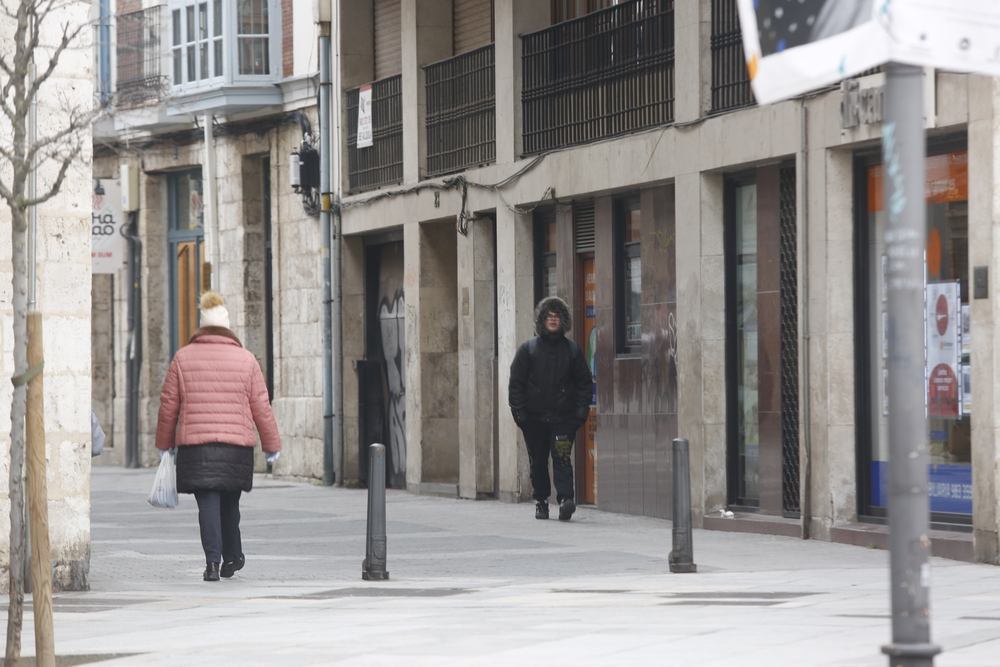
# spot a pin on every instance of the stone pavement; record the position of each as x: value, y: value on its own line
x: 484, y: 583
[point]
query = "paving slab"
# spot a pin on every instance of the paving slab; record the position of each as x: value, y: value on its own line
x: 484, y: 583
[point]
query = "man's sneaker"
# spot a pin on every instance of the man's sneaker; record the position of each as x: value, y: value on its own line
x: 542, y: 509
x: 566, y: 509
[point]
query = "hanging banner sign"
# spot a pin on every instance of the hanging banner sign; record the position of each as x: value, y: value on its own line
x: 792, y: 48
x: 944, y: 353
x: 107, y: 246
x: 365, y: 116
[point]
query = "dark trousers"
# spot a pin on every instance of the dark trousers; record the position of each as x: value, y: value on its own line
x: 545, y: 439
x: 219, y: 518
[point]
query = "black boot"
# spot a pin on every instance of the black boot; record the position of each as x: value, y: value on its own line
x: 542, y: 509
x: 228, y: 569
x: 566, y: 509
x: 211, y: 572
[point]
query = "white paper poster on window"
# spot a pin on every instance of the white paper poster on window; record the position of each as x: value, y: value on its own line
x: 796, y: 47
x: 107, y: 246
x: 365, y: 116
x: 943, y: 317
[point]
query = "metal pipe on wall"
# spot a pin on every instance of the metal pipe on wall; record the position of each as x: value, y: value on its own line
x: 330, y: 473
x: 211, y: 203
x: 338, y: 304
x: 133, y: 353
x: 805, y: 423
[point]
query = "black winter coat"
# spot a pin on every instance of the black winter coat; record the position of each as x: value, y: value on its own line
x: 552, y: 383
x: 214, y: 467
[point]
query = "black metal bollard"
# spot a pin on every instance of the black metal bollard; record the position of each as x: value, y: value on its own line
x: 373, y: 567
x: 682, y: 556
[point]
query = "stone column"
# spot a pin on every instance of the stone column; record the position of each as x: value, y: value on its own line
x: 515, y: 324
x: 353, y: 341
x: 832, y: 465
x: 984, y: 227
x: 692, y: 59
x: 426, y: 38
x: 476, y: 359
x: 431, y: 357
x: 701, y: 337
x: 512, y: 18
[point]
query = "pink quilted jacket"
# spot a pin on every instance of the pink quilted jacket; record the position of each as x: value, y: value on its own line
x: 215, y: 392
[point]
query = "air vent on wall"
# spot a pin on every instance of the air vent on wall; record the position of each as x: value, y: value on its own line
x: 583, y: 226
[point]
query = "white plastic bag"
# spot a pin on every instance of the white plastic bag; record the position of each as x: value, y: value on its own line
x: 164, y: 493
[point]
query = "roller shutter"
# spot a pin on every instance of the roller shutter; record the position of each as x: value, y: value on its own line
x: 388, y: 52
x: 472, y: 23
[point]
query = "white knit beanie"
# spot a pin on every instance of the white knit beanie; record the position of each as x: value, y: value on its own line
x: 213, y: 312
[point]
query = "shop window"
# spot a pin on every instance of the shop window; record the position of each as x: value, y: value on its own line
x: 947, y: 390
x: 628, y: 275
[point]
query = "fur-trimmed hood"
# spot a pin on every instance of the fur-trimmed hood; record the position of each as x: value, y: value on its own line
x: 557, y: 305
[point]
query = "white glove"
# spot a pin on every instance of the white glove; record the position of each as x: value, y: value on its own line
x: 272, y: 456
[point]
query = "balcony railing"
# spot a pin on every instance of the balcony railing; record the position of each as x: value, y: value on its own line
x: 605, y: 74
x: 382, y: 162
x: 461, y: 112
x: 730, y: 79
x: 139, y: 55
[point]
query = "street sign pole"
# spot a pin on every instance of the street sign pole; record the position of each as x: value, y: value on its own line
x: 903, y: 167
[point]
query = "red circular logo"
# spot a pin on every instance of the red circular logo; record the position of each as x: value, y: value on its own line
x: 942, y: 315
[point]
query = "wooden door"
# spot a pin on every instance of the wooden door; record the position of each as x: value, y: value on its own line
x: 188, y: 289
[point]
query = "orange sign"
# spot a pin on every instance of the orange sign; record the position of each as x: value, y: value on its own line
x: 947, y: 180
x: 934, y: 252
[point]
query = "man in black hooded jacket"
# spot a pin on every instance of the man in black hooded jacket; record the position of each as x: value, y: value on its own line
x: 549, y: 395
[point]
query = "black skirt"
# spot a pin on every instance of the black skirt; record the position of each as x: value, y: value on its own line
x: 214, y: 467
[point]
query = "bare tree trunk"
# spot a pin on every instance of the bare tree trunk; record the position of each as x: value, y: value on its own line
x: 18, y: 537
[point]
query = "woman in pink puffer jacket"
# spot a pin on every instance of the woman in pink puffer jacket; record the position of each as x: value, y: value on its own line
x: 213, y: 395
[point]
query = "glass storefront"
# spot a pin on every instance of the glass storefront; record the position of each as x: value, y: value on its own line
x: 946, y: 337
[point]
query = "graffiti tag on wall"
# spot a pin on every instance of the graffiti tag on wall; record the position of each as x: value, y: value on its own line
x: 392, y: 325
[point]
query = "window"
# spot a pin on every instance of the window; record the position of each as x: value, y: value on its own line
x: 947, y: 390
x: 252, y: 37
x: 185, y: 241
x: 746, y: 345
x: 629, y: 275
x: 546, y: 280
x: 200, y: 33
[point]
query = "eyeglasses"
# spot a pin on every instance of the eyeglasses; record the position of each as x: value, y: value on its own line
x: 553, y: 317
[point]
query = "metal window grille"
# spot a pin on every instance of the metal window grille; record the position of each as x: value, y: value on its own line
x: 138, y: 52
x: 461, y: 112
x: 608, y: 73
x: 789, y: 345
x: 730, y: 79
x: 382, y: 162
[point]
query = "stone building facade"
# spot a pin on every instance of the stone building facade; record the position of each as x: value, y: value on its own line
x: 63, y: 290
x: 722, y: 261
x: 721, y: 258
x: 213, y: 212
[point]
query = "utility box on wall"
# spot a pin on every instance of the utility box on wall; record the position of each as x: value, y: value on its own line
x: 130, y: 188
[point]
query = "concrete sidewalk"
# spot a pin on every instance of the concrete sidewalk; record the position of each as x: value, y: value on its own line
x: 484, y: 583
